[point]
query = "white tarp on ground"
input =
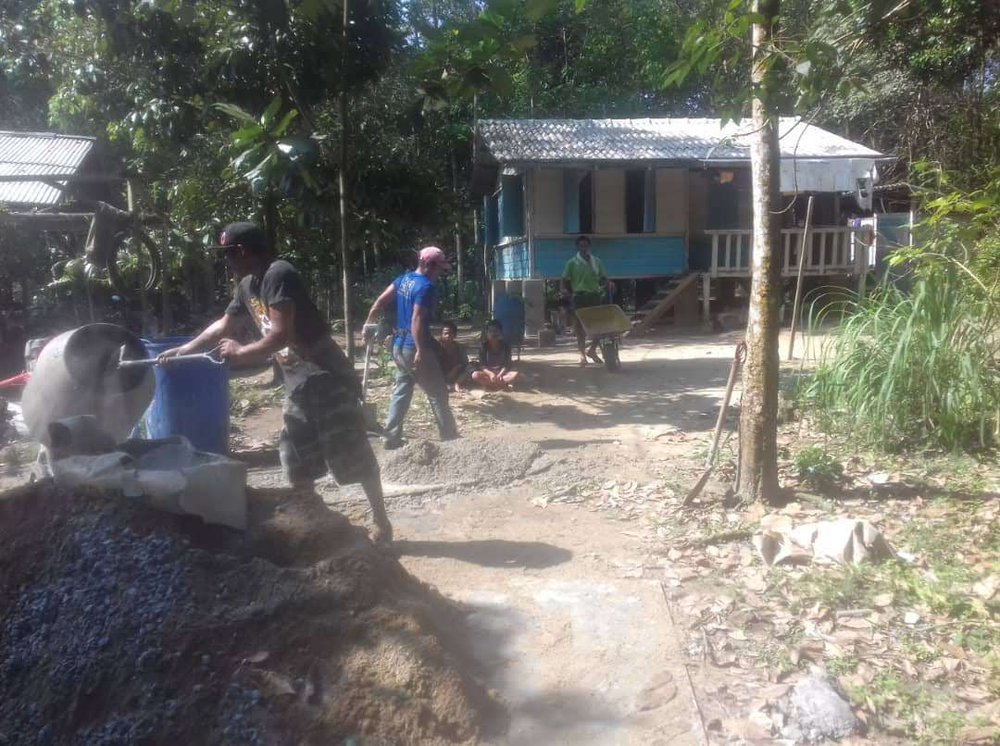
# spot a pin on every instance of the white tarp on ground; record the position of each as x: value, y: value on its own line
x: 832, y: 175
x: 842, y: 541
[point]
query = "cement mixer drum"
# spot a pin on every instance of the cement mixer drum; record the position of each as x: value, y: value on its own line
x: 77, y: 373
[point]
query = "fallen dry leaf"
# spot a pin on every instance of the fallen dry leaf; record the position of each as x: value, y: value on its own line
x: 274, y: 683
x: 854, y: 623
x: 882, y: 600
x: 987, y: 587
x: 660, y: 691
x: 974, y: 694
x: 973, y: 734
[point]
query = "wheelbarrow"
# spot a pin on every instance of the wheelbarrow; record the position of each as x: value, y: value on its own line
x: 605, y: 326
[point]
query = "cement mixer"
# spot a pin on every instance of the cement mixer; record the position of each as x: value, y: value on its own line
x: 80, y: 373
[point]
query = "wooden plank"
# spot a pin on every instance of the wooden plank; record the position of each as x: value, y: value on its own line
x: 667, y: 303
x: 53, y: 221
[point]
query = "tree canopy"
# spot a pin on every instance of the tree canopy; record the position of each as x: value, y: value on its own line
x: 162, y: 84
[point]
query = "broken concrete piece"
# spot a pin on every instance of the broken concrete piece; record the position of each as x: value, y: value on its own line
x: 844, y: 541
x: 816, y: 709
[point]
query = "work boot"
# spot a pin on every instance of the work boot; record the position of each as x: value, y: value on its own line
x: 391, y: 444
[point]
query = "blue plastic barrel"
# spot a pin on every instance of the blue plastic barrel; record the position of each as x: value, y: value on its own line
x: 509, y: 311
x: 191, y: 399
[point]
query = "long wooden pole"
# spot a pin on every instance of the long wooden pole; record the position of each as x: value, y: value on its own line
x: 734, y: 370
x: 803, y: 248
x: 342, y: 179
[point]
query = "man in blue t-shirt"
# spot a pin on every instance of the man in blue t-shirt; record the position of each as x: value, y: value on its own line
x: 413, y: 346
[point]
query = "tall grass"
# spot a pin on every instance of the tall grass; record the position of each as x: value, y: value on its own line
x: 913, y: 368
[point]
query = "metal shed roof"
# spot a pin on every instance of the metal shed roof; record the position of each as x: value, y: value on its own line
x: 38, y: 153
x: 518, y: 141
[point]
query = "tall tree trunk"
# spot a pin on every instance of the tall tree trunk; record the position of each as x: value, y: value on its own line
x: 166, y: 304
x: 759, y: 409
x: 459, y: 269
x: 342, y: 179
x: 269, y: 218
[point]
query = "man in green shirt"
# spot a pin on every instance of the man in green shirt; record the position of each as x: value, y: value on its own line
x: 585, y: 279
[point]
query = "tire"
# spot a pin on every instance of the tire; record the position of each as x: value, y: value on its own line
x: 611, y: 360
x: 152, y: 269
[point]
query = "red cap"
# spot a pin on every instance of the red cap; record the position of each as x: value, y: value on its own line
x: 432, y: 255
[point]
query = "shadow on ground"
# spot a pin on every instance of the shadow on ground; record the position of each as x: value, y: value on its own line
x: 678, y: 392
x: 489, y: 552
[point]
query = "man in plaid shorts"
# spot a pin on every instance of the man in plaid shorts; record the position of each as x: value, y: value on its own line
x: 324, y: 427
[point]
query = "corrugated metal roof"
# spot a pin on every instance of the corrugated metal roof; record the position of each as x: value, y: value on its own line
x: 37, y: 153
x: 569, y: 140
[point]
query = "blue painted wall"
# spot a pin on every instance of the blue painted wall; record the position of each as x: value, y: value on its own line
x: 632, y: 256
x: 512, y: 262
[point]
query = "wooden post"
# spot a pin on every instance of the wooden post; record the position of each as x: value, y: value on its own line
x: 798, y: 279
x: 862, y: 252
x: 706, y: 297
x: 342, y: 179
x: 459, y: 263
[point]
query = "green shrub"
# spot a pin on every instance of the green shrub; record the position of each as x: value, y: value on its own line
x: 914, y: 368
x: 816, y: 467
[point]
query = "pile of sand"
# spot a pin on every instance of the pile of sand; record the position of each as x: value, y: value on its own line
x: 495, y: 461
x: 123, y: 625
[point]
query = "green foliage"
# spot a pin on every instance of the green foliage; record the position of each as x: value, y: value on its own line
x: 921, y: 366
x: 267, y: 159
x: 817, y: 467
x: 913, y: 368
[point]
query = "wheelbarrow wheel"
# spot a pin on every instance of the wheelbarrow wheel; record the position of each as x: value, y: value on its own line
x: 609, y: 348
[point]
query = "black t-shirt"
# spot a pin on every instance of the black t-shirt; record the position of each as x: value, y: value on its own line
x: 311, y: 343
x: 281, y: 283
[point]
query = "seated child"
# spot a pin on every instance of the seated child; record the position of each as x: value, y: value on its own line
x: 494, y: 370
x: 454, y: 361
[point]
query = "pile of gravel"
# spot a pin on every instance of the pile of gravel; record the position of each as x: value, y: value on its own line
x: 122, y: 625
x: 494, y: 461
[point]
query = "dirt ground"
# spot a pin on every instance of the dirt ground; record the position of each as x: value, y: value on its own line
x: 600, y: 610
x: 579, y: 641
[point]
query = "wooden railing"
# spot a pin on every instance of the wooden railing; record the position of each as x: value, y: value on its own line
x: 831, y: 251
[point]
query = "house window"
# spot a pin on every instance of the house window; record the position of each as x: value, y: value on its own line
x: 578, y: 201
x: 512, y: 206
x: 640, y: 201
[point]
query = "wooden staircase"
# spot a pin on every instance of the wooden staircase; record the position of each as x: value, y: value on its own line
x: 665, y: 299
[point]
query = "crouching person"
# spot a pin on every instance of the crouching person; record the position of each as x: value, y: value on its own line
x: 324, y: 427
x: 494, y: 370
x: 454, y: 360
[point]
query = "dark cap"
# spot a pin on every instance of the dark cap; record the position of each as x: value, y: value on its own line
x: 247, y: 235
